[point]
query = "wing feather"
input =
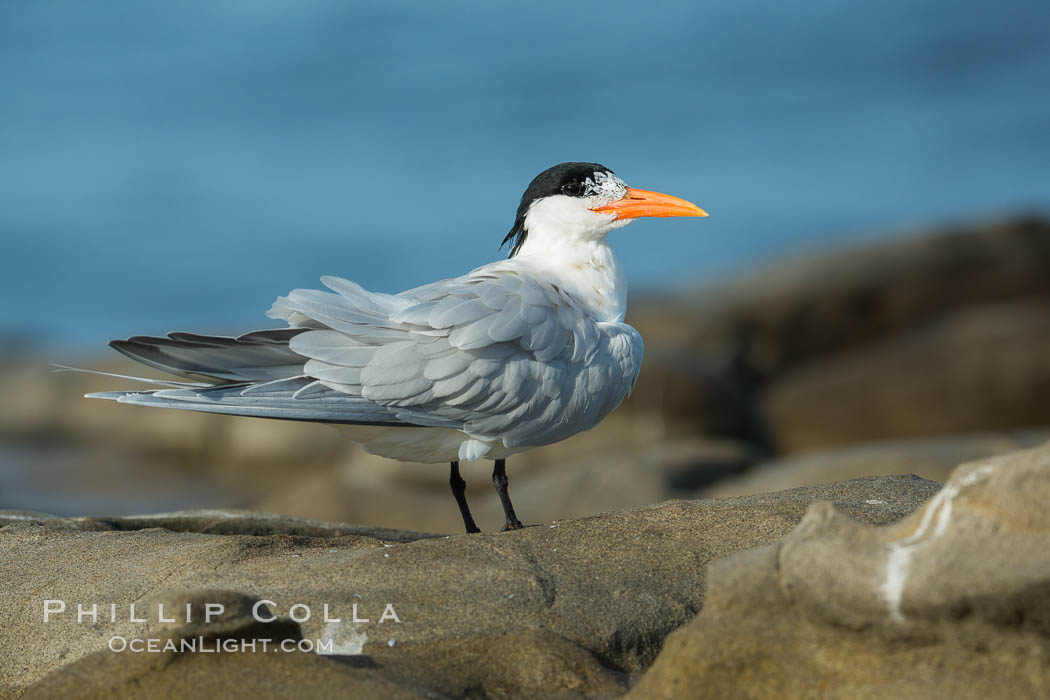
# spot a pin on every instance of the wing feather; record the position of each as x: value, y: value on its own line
x: 454, y: 363
x: 494, y: 353
x: 508, y: 323
x: 463, y: 311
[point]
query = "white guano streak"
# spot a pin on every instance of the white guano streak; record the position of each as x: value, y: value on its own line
x: 937, y: 514
x: 345, y: 640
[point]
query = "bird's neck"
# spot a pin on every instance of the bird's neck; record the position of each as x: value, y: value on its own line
x: 586, y: 269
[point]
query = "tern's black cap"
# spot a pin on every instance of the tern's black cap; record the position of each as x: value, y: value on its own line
x: 569, y: 179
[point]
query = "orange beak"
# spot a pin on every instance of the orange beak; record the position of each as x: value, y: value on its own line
x: 638, y: 203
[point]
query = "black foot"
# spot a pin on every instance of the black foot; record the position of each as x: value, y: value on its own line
x: 459, y: 489
x: 499, y: 478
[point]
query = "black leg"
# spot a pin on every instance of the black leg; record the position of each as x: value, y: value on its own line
x: 499, y: 478
x: 459, y: 489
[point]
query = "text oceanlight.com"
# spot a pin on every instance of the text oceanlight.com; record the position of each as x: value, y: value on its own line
x: 209, y: 645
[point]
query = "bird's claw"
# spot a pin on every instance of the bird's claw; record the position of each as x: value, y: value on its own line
x: 511, y: 525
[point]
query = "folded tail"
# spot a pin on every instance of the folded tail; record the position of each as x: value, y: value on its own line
x: 255, y: 374
x: 293, y: 398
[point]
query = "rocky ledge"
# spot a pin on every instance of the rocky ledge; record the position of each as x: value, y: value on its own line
x: 951, y: 602
x: 811, y: 591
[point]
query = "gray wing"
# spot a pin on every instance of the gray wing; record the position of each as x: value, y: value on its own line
x: 495, y: 353
x: 295, y: 398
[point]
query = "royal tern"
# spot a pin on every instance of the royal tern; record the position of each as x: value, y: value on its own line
x: 516, y: 354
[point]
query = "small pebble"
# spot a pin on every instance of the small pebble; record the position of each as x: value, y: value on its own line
x: 391, y: 642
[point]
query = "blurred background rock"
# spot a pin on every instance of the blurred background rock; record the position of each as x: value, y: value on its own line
x: 177, y: 168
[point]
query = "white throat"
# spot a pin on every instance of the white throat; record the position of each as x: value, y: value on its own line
x: 566, y: 241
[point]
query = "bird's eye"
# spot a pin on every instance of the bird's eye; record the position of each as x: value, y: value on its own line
x: 572, y: 189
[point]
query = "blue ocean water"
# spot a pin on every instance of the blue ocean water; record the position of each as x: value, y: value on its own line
x: 178, y: 165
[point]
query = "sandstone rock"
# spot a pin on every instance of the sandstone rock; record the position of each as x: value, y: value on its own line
x: 598, y: 594
x: 529, y: 664
x: 931, y: 458
x: 882, y: 340
x: 978, y: 369
x: 216, y: 522
x: 532, y: 662
x: 187, y: 616
x: 795, y: 310
x: 105, y: 674
x: 952, y: 602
